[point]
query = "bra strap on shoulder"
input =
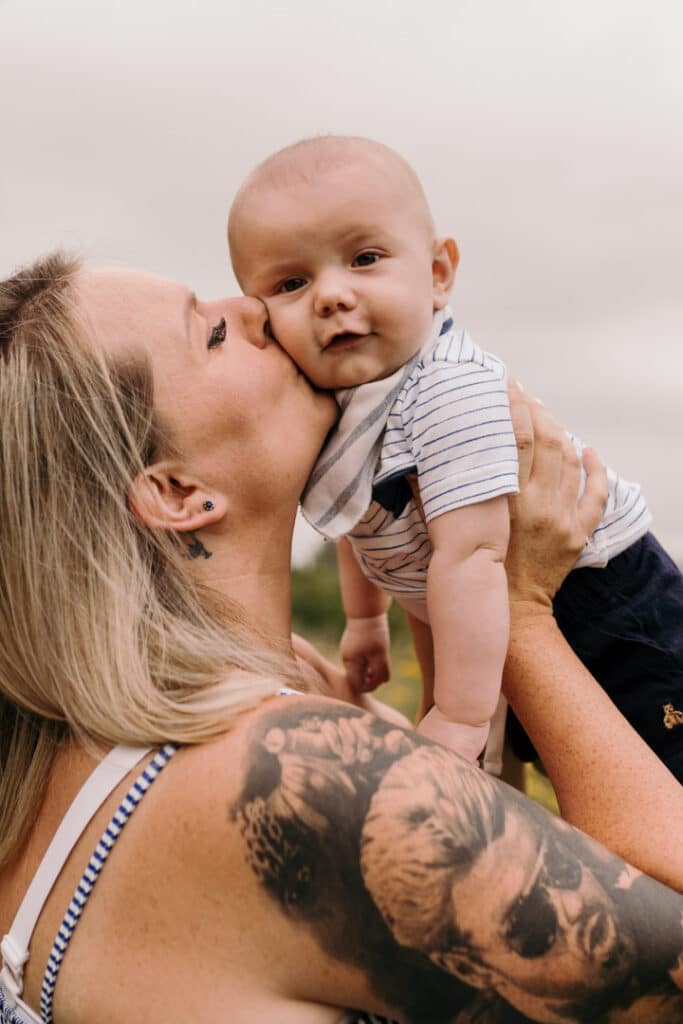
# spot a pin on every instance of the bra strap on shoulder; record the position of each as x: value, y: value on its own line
x: 14, y: 946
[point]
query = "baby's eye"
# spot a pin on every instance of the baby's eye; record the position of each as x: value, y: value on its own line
x: 292, y: 284
x: 365, y: 259
x: 218, y: 334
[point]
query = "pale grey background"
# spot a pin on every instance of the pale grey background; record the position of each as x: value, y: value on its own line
x: 548, y: 136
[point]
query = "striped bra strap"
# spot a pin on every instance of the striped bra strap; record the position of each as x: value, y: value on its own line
x: 15, y: 945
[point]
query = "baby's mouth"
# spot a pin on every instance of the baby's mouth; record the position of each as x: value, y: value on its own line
x: 343, y: 340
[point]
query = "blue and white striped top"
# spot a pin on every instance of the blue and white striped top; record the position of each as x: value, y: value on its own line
x: 449, y: 423
x: 15, y: 945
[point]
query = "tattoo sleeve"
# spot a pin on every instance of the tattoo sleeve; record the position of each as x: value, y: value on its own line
x: 461, y: 901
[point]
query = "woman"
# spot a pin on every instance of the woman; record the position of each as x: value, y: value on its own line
x: 153, y: 450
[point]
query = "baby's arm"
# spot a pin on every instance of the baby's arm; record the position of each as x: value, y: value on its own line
x: 468, y: 613
x: 364, y: 645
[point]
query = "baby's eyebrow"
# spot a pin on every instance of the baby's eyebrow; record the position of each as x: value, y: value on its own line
x: 361, y: 232
x: 276, y: 271
x: 282, y: 266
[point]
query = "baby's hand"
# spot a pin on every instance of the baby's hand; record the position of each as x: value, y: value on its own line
x: 364, y: 650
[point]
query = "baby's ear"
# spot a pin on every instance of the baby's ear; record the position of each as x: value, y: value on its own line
x: 445, y: 258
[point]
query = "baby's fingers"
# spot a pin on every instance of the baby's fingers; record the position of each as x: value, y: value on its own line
x: 356, y: 674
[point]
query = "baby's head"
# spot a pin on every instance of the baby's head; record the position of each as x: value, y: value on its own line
x: 335, y: 235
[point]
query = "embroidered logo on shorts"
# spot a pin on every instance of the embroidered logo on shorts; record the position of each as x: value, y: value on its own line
x: 672, y: 718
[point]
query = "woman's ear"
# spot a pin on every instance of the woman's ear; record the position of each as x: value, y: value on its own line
x: 445, y: 257
x: 166, y: 500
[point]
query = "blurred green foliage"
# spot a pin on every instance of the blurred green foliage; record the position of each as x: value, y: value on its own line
x: 316, y: 601
x: 318, y: 615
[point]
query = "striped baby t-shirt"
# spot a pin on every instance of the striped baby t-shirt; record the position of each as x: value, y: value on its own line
x: 448, y: 422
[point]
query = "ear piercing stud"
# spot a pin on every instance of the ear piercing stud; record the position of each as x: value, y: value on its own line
x: 208, y: 506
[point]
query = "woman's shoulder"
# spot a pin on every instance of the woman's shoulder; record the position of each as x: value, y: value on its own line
x: 202, y: 782
x: 210, y: 781
x: 205, y: 824
x: 183, y: 893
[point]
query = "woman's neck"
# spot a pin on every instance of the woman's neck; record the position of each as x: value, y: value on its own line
x: 251, y: 566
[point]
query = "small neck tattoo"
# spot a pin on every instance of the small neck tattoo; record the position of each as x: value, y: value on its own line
x: 196, y: 549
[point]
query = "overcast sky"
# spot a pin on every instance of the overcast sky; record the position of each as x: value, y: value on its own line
x: 548, y: 135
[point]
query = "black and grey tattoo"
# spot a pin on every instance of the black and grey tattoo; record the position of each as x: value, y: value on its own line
x: 195, y: 548
x: 433, y: 878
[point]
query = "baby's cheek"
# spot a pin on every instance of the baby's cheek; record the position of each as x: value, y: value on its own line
x: 294, y: 335
x: 278, y: 324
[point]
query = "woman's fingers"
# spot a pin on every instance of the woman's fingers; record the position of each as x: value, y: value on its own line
x: 549, y: 524
x: 520, y: 413
x: 594, y: 498
x: 542, y: 444
x: 570, y: 472
x: 549, y: 452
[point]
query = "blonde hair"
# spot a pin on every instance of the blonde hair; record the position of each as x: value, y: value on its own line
x: 103, y: 634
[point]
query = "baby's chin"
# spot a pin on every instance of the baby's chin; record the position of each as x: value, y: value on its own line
x: 352, y: 371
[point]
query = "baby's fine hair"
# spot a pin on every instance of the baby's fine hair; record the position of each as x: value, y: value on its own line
x: 306, y: 160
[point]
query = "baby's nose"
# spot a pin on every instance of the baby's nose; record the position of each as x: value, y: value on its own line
x: 333, y: 294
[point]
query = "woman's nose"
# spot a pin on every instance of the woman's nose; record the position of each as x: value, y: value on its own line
x: 254, y: 316
x: 333, y: 294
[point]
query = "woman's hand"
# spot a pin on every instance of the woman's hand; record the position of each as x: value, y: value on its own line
x: 549, y: 523
x: 608, y: 782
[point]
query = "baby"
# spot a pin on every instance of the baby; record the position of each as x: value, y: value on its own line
x: 335, y: 235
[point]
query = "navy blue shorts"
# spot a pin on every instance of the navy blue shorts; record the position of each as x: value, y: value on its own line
x: 625, y: 623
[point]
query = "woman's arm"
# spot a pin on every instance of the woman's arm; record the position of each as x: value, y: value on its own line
x: 607, y: 780
x: 439, y: 893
